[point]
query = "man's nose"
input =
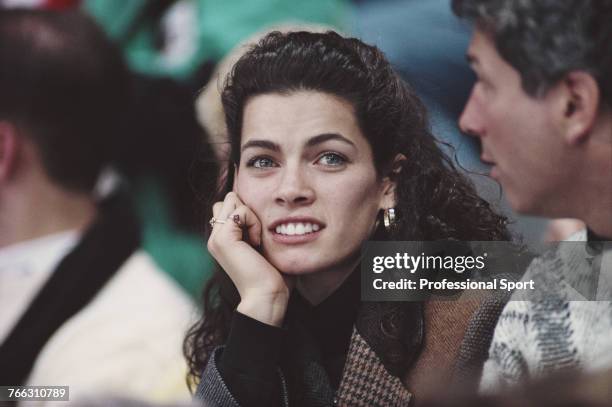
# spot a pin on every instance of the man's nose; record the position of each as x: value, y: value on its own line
x: 470, y: 121
x: 295, y: 187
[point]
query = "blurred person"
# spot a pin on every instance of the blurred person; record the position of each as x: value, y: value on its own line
x: 541, y: 108
x: 80, y: 304
x: 329, y: 149
x: 157, y: 159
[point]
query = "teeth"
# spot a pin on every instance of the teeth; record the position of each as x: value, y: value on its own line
x: 291, y: 229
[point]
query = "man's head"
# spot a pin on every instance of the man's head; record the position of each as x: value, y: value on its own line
x: 542, y: 102
x: 63, y: 87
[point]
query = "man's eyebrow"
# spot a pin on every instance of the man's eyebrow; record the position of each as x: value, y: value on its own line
x: 268, y: 145
x: 321, y: 138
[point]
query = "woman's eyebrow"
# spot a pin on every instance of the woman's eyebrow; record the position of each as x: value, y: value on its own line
x: 321, y: 138
x: 268, y: 145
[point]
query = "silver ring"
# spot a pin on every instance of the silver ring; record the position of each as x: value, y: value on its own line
x: 212, y: 222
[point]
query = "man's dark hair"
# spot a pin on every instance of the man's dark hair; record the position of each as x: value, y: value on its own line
x: 544, y: 40
x: 64, y: 85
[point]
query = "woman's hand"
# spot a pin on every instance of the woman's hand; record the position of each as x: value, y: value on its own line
x: 264, y: 291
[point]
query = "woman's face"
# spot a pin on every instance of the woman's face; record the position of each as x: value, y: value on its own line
x: 307, y: 172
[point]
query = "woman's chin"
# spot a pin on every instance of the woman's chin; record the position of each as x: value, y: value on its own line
x: 294, y: 266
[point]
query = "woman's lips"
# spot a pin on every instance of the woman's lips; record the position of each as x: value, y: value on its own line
x: 296, y: 229
x: 295, y: 239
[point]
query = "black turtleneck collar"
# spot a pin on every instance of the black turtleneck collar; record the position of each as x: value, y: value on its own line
x: 331, y: 322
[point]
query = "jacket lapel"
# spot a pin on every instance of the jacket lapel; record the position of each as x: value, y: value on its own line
x: 365, y: 381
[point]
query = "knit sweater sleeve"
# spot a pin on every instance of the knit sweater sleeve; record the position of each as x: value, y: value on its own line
x: 555, y: 328
x: 510, y: 349
x: 514, y: 354
x: 533, y: 335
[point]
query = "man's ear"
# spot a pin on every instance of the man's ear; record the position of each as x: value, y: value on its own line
x: 580, y: 106
x: 388, y: 198
x: 8, y: 150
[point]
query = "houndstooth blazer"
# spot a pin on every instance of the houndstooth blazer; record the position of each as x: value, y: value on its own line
x: 366, y: 381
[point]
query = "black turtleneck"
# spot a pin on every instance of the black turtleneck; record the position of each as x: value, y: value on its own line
x: 253, y: 352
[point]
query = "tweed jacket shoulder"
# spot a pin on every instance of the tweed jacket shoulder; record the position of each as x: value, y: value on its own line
x: 365, y: 379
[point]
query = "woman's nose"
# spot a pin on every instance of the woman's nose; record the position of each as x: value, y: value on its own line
x: 295, y: 187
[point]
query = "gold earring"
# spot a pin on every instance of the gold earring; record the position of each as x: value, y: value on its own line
x: 389, y: 217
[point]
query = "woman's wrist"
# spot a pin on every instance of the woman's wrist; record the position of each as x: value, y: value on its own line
x: 265, y: 309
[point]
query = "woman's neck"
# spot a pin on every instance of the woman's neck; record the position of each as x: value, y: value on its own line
x: 318, y: 286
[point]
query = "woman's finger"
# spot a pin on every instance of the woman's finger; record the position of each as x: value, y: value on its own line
x: 229, y: 204
x: 221, y: 210
x: 216, y: 209
x: 245, y: 219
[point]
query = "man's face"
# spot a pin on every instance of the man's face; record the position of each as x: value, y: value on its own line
x: 518, y: 132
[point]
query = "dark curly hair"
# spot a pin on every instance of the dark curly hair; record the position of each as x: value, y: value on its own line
x: 546, y: 39
x: 434, y: 200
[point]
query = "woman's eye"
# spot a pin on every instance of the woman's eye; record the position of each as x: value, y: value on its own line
x: 261, y: 162
x: 331, y: 159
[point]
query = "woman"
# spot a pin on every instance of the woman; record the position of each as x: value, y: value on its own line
x: 330, y: 148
